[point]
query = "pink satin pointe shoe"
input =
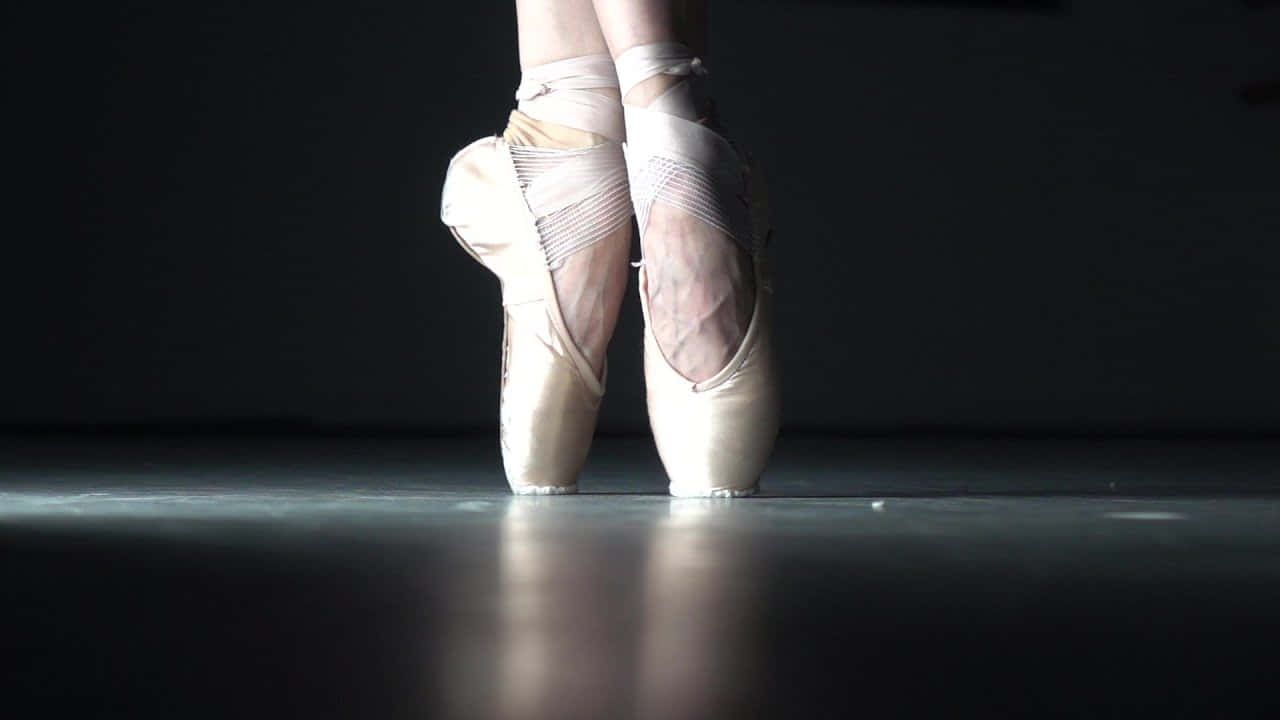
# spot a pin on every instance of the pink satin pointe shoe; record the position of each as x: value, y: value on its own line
x: 520, y: 210
x: 715, y: 436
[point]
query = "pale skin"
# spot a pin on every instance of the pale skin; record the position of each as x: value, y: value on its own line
x: 700, y: 283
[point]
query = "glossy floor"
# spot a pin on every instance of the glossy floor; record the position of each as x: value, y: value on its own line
x: 384, y: 577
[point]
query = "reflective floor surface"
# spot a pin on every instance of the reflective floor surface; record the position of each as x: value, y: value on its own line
x: 390, y: 577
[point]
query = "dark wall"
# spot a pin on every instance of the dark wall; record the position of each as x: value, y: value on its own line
x: 1061, y: 218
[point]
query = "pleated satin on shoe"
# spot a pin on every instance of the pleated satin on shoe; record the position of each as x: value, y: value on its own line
x: 549, y: 397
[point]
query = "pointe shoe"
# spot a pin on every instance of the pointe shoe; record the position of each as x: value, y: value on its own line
x: 714, y: 437
x: 518, y: 210
x: 548, y: 396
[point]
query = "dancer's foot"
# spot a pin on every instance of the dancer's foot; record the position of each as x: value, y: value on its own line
x: 591, y: 282
x: 701, y: 292
x: 546, y: 208
x: 701, y: 283
x: 589, y: 287
x: 710, y: 374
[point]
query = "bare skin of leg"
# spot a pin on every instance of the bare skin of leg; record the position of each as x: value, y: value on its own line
x: 591, y: 282
x: 701, y: 283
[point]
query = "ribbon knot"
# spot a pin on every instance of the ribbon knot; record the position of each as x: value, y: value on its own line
x: 530, y: 90
x: 688, y: 67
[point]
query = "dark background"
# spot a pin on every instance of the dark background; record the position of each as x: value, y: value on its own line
x: 1005, y: 216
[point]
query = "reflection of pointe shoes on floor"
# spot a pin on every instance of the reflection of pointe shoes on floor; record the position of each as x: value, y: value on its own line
x: 715, y: 436
x: 518, y: 211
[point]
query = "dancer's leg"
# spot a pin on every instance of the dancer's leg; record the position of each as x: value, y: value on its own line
x: 591, y: 282
x: 551, y: 30
x: 701, y: 284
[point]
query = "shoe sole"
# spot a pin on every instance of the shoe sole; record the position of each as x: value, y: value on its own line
x: 718, y: 493
x: 545, y: 490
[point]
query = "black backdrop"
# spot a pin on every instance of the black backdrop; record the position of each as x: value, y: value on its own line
x: 1036, y: 216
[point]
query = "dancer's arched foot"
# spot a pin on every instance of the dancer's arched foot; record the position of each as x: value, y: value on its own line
x: 710, y: 375
x: 701, y: 283
x: 589, y: 282
x: 701, y: 291
x: 546, y: 208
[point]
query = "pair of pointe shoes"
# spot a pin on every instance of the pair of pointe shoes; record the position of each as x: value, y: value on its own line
x: 714, y: 437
